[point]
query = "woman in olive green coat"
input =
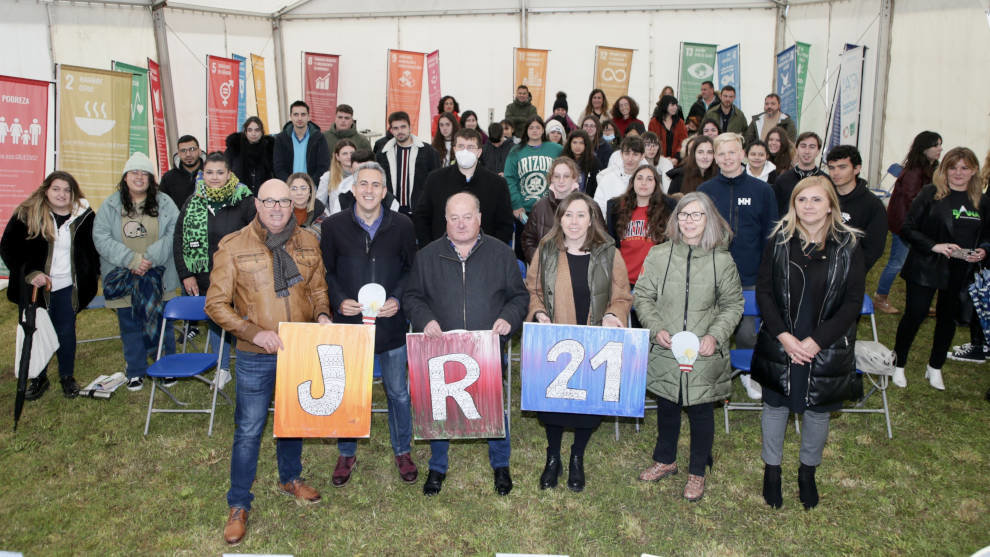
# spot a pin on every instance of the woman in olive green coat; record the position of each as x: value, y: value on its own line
x: 689, y: 283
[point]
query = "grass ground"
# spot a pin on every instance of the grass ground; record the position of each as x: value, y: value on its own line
x: 80, y: 478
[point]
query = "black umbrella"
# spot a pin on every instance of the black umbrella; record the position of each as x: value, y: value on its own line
x: 26, y: 321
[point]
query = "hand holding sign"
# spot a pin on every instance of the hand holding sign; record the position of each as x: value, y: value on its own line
x: 372, y: 298
x: 685, y: 346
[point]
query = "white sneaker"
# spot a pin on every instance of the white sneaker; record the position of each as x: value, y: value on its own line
x: 753, y: 389
x: 898, y: 378
x: 135, y: 384
x: 223, y: 377
x: 934, y: 377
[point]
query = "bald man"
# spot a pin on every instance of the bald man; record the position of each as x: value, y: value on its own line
x: 267, y: 272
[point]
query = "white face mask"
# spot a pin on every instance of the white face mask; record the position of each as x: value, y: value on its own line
x: 465, y: 158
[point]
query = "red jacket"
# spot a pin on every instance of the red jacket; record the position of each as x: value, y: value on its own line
x: 680, y: 134
x: 906, y: 188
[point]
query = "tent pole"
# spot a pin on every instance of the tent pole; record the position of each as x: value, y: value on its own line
x: 168, y: 96
x: 779, y: 30
x: 523, y: 25
x: 880, y: 96
x: 279, y: 47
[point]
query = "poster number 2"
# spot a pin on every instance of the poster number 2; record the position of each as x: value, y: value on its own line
x: 610, y: 355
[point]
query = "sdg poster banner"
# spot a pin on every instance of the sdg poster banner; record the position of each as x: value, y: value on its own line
x: 530, y: 69
x: 802, y: 53
x: 433, y: 81
x: 727, y: 61
x: 584, y: 370
x: 138, y: 139
x: 612, y: 68
x: 94, y: 109
x: 321, y: 73
x: 405, y: 84
x: 241, y: 90
x: 848, y: 98
x: 455, y: 385
x: 787, y: 82
x: 323, y: 380
x: 222, y: 80
x: 697, y: 64
x: 260, y: 97
x: 23, y: 143
x: 158, y: 115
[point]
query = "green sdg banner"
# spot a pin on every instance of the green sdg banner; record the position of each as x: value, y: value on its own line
x: 697, y: 65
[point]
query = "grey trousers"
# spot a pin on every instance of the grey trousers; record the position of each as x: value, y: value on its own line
x: 814, y: 433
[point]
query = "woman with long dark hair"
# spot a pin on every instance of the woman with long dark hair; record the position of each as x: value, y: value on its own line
x: 602, y: 149
x: 597, y: 105
x: 780, y: 149
x: 576, y: 277
x: 447, y: 126
x: 810, y: 291
x: 48, y: 242
x: 624, y: 111
x: 447, y: 104
x: 578, y: 148
x: 250, y: 154
x: 698, y: 167
x: 469, y: 120
x: 918, y: 170
x: 133, y: 233
x: 669, y: 127
x: 948, y: 231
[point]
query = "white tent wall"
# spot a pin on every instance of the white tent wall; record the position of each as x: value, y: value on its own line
x: 940, y: 52
x: 25, y: 32
x: 827, y: 28
x: 194, y: 35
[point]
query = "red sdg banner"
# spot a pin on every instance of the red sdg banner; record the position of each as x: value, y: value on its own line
x: 23, y: 142
x: 320, y: 75
x: 158, y: 115
x: 433, y: 81
x: 222, y: 83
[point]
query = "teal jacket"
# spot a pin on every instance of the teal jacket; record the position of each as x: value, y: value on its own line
x: 526, y: 170
x: 689, y: 288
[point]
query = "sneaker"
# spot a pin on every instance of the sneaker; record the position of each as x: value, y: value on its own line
x: 192, y: 333
x: 169, y: 381
x: 135, y: 384
x: 753, y: 389
x: 223, y: 377
x: 968, y: 353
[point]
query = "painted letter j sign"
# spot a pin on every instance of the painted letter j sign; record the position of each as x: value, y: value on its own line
x: 584, y: 370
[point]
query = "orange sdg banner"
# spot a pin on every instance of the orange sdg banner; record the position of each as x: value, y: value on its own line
x: 612, y: 66
x: 260, y: 94
x: 531, y: 71
x: 405, y: 84
x: 323, y: 380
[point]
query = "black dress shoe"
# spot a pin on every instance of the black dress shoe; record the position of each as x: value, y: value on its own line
x: 69, y: 387
x: 503, y: 482
x: 434, y: 481
x: 575, y: 473
x: 551, y: 471
x: 36, y: 387
x: 807, y: 489
x: 771, y: 486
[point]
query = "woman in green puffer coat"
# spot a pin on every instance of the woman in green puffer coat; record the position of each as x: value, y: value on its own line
x: 689, y: 283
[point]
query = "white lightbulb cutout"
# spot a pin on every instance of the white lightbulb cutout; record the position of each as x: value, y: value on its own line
x: 685, y: 346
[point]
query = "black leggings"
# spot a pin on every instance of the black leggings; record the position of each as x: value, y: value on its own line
x: 702, y: 419
x: 555, y: 435
x: 917, y: 301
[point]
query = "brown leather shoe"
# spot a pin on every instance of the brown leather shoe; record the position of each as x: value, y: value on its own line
x: 658, y: 471
x: 302, y: 492
x: 883, y: 306
x: 236, y: 527
x: 695, y: 488
x: 342, y: 472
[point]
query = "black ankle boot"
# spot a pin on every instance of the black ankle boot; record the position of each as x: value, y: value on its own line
x: 36, y: 387
x: 551, y: 471
x: 575, y: 473
x: 771, y: 486
x: 69, y: 387
x: 807, y: 489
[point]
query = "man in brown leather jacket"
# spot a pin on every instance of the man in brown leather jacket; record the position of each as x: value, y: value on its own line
x: 267, y: 272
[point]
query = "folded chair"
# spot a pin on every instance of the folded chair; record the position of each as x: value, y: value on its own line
x: 879, y: 382
x: 185, y: 365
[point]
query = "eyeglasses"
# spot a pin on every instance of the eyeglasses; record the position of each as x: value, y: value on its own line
x: 694, y: 217
x: 270, y: 203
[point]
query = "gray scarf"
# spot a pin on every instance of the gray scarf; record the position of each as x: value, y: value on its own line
x: 283, y: 267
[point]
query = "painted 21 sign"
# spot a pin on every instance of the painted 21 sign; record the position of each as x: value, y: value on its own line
x: 584, y: 370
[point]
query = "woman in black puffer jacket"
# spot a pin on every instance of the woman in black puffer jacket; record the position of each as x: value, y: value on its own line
x: 810, y: 291
x: 250, y: 153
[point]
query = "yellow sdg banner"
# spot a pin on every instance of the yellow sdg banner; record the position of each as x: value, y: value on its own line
x: 612, y: 68
x: 530, y: 69
x: 323, y: 380
x: 94, y: 118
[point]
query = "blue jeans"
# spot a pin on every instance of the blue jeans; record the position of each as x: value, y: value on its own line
x: 898, y: 253
x: 395, y: 379
x: 499, y: 451
x: 136, y: 350
x: 212, y: 340
x: 64, y: 321
x: 255, y: 387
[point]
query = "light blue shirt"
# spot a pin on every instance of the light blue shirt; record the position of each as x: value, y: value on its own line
x: 299, y: 151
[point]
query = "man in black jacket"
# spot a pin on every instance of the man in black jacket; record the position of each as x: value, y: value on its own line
x: 705, y: 102
x: 371, y: 244
x: 467, y: 175
x: 860, y: 208
x: 466, y: 280
x: 407, y: 161
x: 300, y: 147
x: 809, y: 145
x: 180, y: 182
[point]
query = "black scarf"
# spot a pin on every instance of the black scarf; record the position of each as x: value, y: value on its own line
x: 285, y: 272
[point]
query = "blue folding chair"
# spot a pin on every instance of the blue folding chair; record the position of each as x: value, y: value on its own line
x: 879, y: 382
x: 98, y: 302
x: 185, y: 365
